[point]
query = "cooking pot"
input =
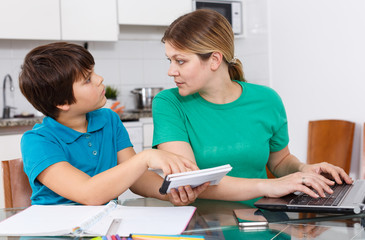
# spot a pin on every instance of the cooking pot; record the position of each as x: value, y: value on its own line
x: 144, y: 97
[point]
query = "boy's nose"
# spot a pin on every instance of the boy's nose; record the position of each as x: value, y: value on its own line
x: 101, y: 79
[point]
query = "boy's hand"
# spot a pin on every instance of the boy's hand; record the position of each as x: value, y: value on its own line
x: 168, y: 162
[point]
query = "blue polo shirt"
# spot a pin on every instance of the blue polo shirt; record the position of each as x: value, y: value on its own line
x: 92, y: 152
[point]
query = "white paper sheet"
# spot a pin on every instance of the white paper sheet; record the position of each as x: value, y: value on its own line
x: 57, y: 220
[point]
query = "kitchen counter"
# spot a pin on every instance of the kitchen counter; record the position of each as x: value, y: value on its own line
x: 131, y: 115
x: 17, y: 125
x: 20, y: 125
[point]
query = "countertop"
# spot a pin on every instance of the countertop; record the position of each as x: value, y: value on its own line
x: 20, y: 125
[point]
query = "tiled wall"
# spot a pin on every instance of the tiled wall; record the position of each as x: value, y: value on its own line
x: 138, y: 58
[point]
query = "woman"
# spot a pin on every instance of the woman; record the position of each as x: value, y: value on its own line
x: 215, y: 117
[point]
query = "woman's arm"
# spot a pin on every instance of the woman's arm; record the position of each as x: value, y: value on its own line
x: 230, y: 188
x: 282, y: 163
x: 73, y: 184
x: 240, y: 189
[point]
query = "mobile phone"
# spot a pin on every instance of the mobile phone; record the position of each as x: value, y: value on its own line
x: 248, y: 219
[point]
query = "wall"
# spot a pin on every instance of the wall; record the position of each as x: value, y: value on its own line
x: 126, y: 64
x: 317, y: 65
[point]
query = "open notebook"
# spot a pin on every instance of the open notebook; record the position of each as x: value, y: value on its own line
x: 79, y: 220
x: 345, y: 199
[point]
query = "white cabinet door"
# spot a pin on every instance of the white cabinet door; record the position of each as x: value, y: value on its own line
x: 147, y: 135
x: 10, y: 147
x: 152, y: 12
x: 94, y: 20
x: 147, y: 132
x: 134, y: 130
x: 30, y: 19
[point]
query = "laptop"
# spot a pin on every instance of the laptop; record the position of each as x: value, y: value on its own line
x: 346, y: 198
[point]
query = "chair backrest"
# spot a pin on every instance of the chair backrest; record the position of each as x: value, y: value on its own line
x: 269, y: 173
x: 17, y: 190
x: 330, y: 141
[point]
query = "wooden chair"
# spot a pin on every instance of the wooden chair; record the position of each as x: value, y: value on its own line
x: 330, y: 141
x: 17, y: 190
x: 269, y: 173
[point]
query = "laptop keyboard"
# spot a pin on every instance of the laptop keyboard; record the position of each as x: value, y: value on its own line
x: 330, y: 200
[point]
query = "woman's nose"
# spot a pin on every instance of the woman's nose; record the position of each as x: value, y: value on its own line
x: 172, y: 71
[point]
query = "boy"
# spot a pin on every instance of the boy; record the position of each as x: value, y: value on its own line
x: 81, y: 152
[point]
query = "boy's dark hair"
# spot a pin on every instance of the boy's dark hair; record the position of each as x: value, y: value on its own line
x: 48, y: 73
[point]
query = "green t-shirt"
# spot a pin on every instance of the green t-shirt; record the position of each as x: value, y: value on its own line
x: 241, y: 133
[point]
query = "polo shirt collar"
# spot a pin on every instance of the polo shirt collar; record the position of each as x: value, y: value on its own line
x: 95, y: 120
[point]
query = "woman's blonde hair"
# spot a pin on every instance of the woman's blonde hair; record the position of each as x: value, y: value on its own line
x: 203, y: 32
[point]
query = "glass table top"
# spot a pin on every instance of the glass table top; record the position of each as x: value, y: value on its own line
x: 219, y: 220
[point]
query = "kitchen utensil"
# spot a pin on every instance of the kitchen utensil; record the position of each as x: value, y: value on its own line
x: 144, y: 96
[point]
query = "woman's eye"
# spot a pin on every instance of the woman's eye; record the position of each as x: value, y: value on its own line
x: 87, y: 80
x: 180, y: 62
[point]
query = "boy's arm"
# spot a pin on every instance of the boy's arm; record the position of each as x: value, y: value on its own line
x: 73, y: 184
x: 148, y: 184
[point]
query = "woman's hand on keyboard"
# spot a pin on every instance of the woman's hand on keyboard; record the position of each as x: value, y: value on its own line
x: 313, y: 184
x: 336, y: 173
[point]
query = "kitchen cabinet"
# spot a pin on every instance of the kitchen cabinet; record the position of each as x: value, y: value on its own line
x: 30, y: 19
x: 147, y: 12
x: 147, y: 129
x: 86, y: 20
x: 134, y: 130
x: 94, y: 20
x: 140, y: 133
x: 10, y: 146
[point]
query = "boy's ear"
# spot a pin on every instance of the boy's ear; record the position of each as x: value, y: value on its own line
x: 64, y: 107
x: 216, y: 60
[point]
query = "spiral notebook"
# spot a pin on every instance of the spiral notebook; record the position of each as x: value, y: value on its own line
x: 79, y: 220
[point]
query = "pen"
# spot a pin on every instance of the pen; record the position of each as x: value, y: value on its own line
x: 117, y: 237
